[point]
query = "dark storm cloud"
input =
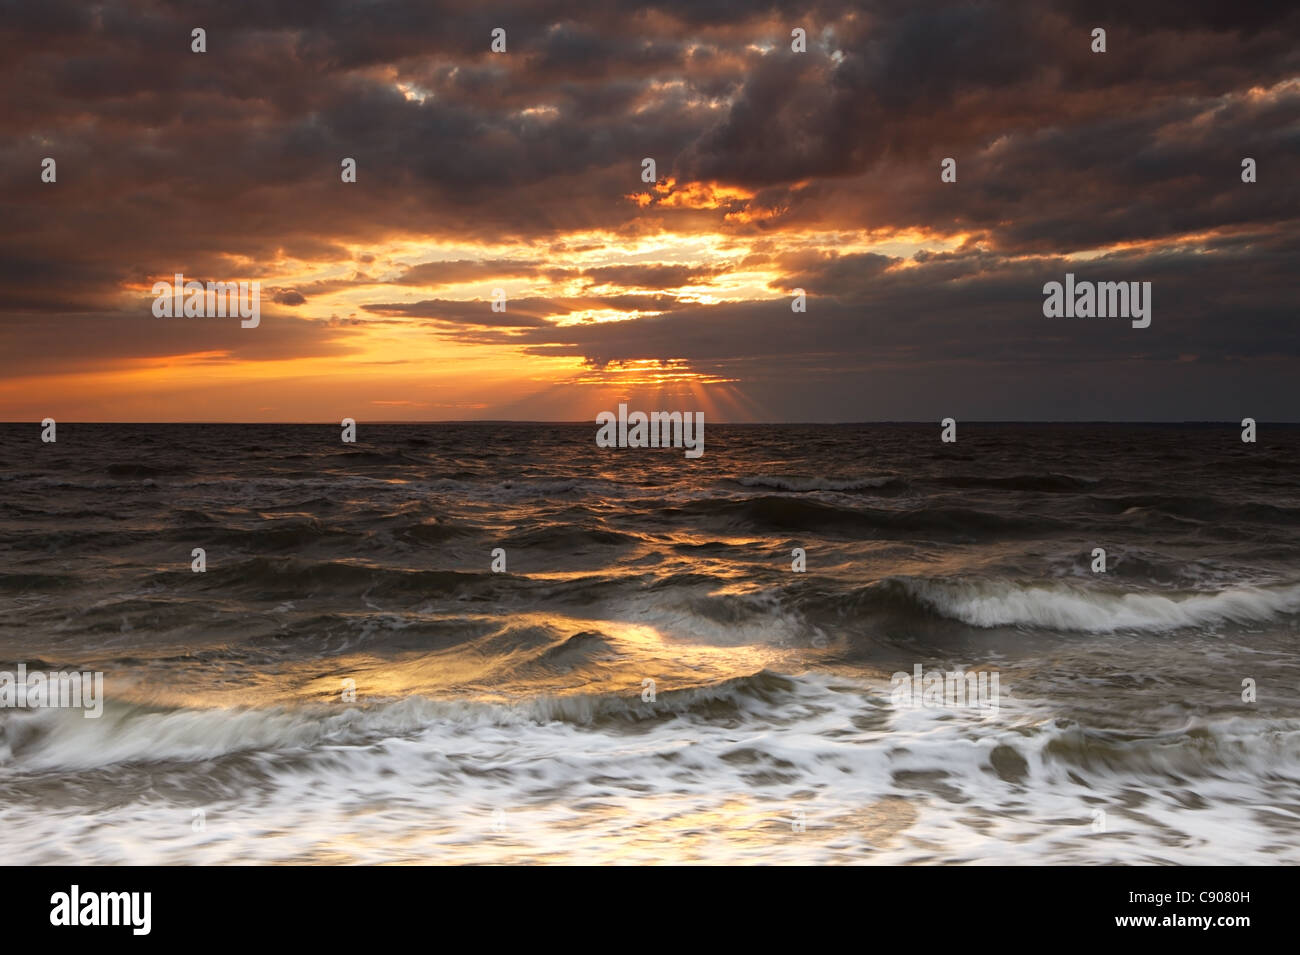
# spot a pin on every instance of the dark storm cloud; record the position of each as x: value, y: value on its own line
x: 261, y: 121
x: 519, y: 313
x: 955, y: 307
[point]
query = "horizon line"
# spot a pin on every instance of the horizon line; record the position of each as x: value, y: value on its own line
x: 498, y: 421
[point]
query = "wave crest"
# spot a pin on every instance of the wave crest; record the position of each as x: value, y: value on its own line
x: 998, y: 603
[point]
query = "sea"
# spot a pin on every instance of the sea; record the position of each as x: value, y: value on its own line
x: 500, y: 643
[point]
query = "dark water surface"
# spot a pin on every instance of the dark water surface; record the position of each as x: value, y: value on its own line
x: 506, y: 716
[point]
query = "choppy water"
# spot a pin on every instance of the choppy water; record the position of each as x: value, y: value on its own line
x: 500, y: 716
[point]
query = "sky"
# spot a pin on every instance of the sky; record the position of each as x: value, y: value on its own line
x: 776, y: 171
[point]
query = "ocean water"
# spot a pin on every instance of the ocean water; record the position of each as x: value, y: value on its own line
x: 649, y: 680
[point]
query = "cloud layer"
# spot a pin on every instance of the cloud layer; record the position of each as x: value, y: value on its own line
x: 776, y: 171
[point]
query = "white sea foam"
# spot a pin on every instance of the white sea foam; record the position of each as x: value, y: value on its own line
x: 998, y: 603
x: 421, y: 780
